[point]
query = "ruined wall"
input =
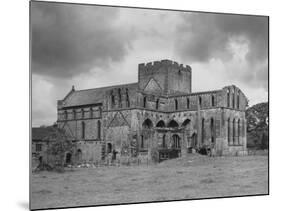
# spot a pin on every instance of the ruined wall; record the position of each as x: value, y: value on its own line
x: 234, y: 98
x: 234, y: 132
x: 91, y: 151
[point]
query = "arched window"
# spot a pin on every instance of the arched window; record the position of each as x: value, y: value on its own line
x: 144, y: 102
x: 161, y: 123
x: 91, y: 112
x: 187, y: 103
x: 65, y: 115
x: 142, y: 142
x: 83, y: 130
x: 234, y: 132
x: 173, y: 124
x: 112, y: 100
x: 228, y: 98
x: 233, y: 100
x: 238, y: 100
x: 157, y: 104
x: 164, y: 141
x: 213, y: 130
x: 176, y: 104
x: 200, y: 101
x: 79, y: 156
x: 109, y: 147
x: 147, y: 124
x: 213, y: 100
x: 127, y: 98
x: 228, y: 132
x: 239, y: 131
x: 243, y: 128
x: 74, y: 114
x: 203, y: 130
x: 99, y: 129
x: 120, y: 98
x: 185, y: 123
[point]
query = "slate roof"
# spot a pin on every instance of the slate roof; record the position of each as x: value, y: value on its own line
x: 40, y: 133
x: 45, y: 133
x: 92, y: 96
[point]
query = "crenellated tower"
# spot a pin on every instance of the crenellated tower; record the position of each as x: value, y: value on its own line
x: 164, y: 77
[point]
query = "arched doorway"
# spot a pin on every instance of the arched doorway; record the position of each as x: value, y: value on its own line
x: 193, y: 143
x: 176, y: 146
x: 79, y: 156
x: 109, y: 147
x: 68, y: 158
x: 176, y: 141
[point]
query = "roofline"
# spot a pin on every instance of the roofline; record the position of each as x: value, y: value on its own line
x: 104, y: 87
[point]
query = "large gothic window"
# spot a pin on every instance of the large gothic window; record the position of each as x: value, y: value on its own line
x: 238, y: 100
x: 99, y: 129
x: 127, y: 98
x: 157, y: 104
x: 233, y: 100
x: 120, y: 98
x: 176, y: 104
x: 144, y: 102
x: 65, y: 115
x: 213, y: 131
x: 213, y: 100
x: 203, y: 130
x: 228, y: 98
x: 74, y: 114
x: 83, y: 130
x: 200, y: 101
x: 239, y: 131
x: 228, y: 131
x: 234, y: 132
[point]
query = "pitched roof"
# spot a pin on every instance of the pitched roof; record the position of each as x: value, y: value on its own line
x: 47, y: 133
x: 92, y: 96
x: 40, y: 133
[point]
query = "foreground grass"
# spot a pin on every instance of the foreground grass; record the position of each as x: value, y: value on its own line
x: 183, y: 178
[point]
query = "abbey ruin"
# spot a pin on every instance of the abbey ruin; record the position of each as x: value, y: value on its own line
x: 157, y: 116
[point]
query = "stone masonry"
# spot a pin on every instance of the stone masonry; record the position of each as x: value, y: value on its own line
x: 158, y: 115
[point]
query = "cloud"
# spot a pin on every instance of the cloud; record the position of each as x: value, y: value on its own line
x: 68, y: 40
x: 202, y: 36
x: 240, y: 42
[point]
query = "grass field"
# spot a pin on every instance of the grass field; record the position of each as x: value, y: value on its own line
x: 183, y: 178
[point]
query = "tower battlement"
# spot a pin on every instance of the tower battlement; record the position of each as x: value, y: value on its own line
x: 156, y: 65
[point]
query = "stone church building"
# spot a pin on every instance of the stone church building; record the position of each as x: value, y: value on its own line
x: 157, y: 116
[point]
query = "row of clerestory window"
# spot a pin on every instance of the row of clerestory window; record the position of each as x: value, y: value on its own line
x: 176, y: 104
x: 74, y: 113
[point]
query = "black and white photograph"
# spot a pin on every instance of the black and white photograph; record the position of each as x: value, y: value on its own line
x: 135, y: 105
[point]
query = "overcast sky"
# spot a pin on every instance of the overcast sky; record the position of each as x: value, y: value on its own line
x: 91, y: 46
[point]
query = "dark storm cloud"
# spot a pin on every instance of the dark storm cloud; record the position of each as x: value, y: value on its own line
x: 204, y: 36
x: 70, y: 39
x: 201, y: 37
